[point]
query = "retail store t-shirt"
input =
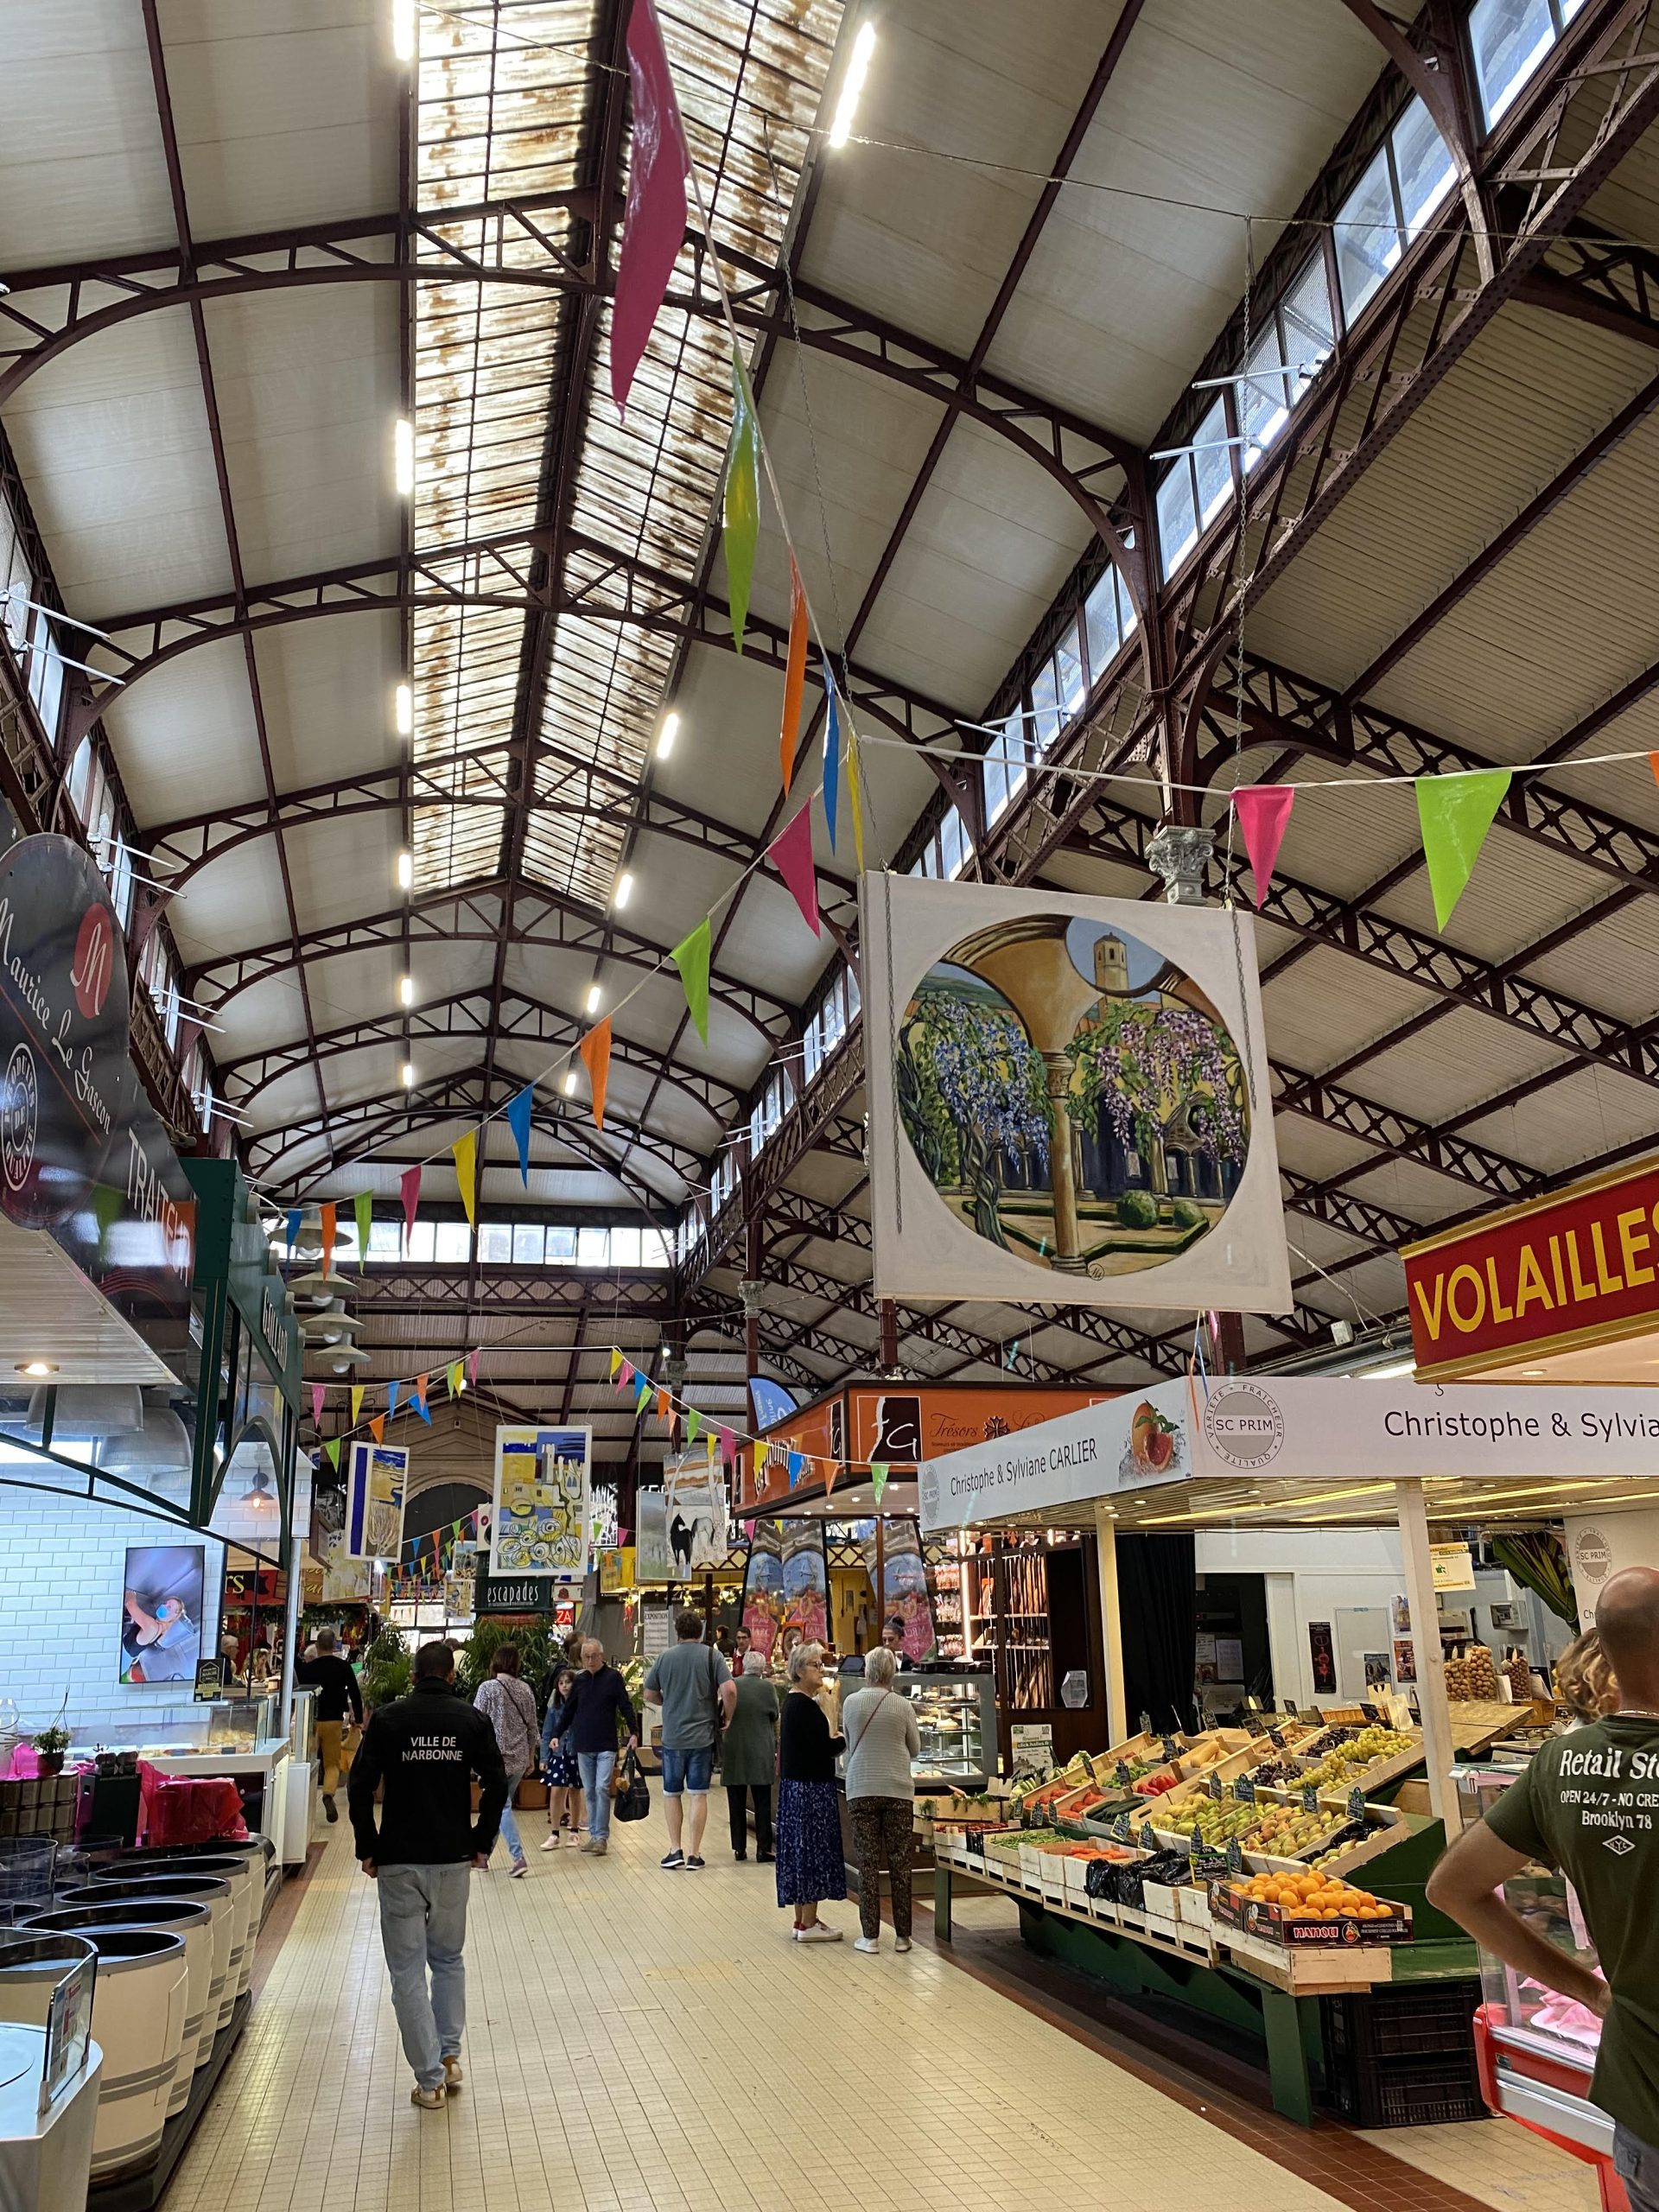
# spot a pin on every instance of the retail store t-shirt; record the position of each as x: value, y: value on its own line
x: 1588, y: 1804
x: 689, y: 1677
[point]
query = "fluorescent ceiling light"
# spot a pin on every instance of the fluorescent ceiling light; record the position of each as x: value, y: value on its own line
x: 666, y: 735
x: 624, y: 890
x: 402, y: 30
x: 406, y: 870
x: 406, y: 991
x: 570, y: 1083
x: 408, y: 1075
x: 403, y: 452
x: 1386, y: 1374
x: 404, y: 709
x: 594, y: 996
x: 37, y: 1368
x: 853, y: 83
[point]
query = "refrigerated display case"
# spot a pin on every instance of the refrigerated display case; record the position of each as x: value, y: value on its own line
x: 300, y: 1791
x: 1536, y: 2049
x: 956, y: 1716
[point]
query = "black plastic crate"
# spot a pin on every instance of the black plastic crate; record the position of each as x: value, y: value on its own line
x: 1409, y: 2098
x: 1404, y: 2057
x: 1407, y: 2022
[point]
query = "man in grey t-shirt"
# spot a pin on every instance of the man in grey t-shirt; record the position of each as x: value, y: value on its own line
x: 693, y: 1686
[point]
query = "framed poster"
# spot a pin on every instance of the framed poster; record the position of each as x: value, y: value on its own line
x: 651, y: 1562
x: 1072, y: 1105
x: 1322, y: 1652
x: 376, y: 1477
x: 161, y: 1614
x: 541, y: 1519
x: 694, y: 1505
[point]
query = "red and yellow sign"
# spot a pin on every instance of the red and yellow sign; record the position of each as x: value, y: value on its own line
x: 1580, y: 1267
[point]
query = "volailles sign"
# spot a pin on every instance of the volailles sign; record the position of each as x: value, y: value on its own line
x: 1580, y: 1267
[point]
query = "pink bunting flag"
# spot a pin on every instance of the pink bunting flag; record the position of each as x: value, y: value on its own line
x: 1263, y: 810
x: 625, y: 1380
x: 654, y: 227
x: 411, y: 1189
x: 472, y: 1368
x: 318, y: 1390
x: 790, y: 854
x: 727, y: 1445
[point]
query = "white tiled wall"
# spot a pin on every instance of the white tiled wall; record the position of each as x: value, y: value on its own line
x: 62, y: 1566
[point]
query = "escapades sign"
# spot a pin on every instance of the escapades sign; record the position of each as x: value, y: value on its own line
x: 1579, y: 1268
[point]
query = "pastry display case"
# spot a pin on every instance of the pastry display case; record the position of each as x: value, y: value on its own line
x: 956, y: 1716
x: 1536, y: 2049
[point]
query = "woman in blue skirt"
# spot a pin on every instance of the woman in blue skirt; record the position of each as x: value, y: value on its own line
x: 811, y: 1867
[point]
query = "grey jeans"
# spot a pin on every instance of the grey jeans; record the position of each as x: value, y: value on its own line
x: 1637, y: 2165
x: 422, y: 1929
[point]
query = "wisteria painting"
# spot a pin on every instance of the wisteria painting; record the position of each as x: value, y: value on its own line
x: 1072, y: 1098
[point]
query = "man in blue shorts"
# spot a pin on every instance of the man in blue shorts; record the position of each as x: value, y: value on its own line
x: 693, y: 1686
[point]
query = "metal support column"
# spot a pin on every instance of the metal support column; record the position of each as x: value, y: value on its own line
x: 1426, y: 1643
x: 1118, y: 1730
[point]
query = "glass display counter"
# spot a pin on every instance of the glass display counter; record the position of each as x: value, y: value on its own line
x: 1536, y: 2049
x: 956, y: 1716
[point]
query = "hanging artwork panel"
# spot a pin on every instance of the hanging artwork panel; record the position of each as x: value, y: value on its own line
x: 1069, y: 1101
x: 694, y: 1504
x: 541, y: 1520
x: 376, y: 1477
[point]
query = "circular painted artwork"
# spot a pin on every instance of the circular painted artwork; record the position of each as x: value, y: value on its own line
x: 1072, y: 1096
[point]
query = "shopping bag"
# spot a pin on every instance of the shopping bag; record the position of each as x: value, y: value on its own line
x: 633, y: 1798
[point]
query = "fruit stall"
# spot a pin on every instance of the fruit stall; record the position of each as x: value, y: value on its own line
x: 1263, y: 1879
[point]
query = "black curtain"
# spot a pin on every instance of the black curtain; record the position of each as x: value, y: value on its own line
x: 1157, y: 1597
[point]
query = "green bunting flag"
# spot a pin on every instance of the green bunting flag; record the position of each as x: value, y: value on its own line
x: 878, y: 1481
x: 332, y: 1447
x: 691, y: 956
x: 1454, y: 813
x: 740, y: 515
x: 363, y: 1202
x: 693, y: 1423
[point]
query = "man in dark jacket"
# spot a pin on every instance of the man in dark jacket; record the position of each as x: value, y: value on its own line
x: 337, y: 1694
x: 426, y: 1749
x: 586, y: 1725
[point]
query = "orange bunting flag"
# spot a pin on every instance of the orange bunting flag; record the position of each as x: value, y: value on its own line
x: 794, y: 672
x: 1653, y: 763
x: 662, y: 1404
x: 327, y: 1215
x: 378, y: 1427
x: 595, y: 1050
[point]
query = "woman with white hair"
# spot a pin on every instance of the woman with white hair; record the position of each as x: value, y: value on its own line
x: 809, y: 1864
x: 882, y: 1739
x: 749, y: 1757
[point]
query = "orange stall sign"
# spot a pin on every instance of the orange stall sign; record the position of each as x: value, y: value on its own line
x: 1580, y: 1267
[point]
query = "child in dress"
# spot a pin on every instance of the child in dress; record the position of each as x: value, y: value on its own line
x: 563, y: 1775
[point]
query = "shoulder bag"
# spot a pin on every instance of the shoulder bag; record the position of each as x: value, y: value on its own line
x: 632, y: 1800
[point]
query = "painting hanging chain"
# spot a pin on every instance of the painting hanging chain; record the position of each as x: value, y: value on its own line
x: 893, y: 1043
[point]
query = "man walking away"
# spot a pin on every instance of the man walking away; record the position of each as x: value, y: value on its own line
x: 749, y: 1757
x: 586, y: 1725
x: 337, y: 1694
x: 426, y: 1749
x: 693, y: 1686
x: 1581, y: 1806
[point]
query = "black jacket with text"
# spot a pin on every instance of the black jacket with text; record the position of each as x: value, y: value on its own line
x: 426, y: 1749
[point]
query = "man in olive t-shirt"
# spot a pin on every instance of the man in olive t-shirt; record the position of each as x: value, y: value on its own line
x: 1588, y: 1804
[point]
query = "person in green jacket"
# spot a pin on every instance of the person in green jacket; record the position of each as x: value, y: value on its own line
x: 749, y: 1757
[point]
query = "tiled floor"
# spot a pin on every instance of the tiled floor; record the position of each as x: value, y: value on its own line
x: 643, y: 2040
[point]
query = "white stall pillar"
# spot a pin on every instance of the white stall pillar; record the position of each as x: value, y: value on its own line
x: 1425, y: 1644
x: 1119, y: 1727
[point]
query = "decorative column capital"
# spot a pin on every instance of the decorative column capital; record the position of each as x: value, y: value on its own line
x: 1180, y: 857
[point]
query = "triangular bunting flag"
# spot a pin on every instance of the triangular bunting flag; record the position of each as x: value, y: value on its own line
x: 794, y: 674
x: 642, y: 1391
x: 654, y: 225
x: 710, y: 1446
x: 831, y: 755
x: 727, y: 1445
x: 363, y: 1204
x: 392, y: 1388
x: 457, y: 1384
x: 318, y: 1392
x: 332, y: 1447
x: 294, y: 1216
x: 378, y: 1427
x: 790, y: 854
x: 466, y: 1151
x: 665, y: 1405
x: 472, y: 1369
x: 1454, y: 813
x: 740, y: 512
x: 421, y: 1382
x: 855, y: 798
x: 595, y: 1050
x: 878, y: 1480
x: 691, y: 956
x: 357, y: 1402
x: 797, y: 1467
x: 1653, y: 763
x: 325, y: 1213
x: 1262, y: 811
x: 519, y: 1110
x: 616, y: 1362
x: 627, y: 1381
x: 831, y: 1469
x: 411, y: 1191
x: 693, y: 1425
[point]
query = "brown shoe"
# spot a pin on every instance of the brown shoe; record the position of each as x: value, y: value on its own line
x: 453, y: 2076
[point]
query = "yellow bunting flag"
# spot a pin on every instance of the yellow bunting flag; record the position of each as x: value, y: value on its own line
x: 357, y: 1402
x: 466, y: 1151
x: 457, y: 1380
x: 856, y: 795
x: 616, y: 1362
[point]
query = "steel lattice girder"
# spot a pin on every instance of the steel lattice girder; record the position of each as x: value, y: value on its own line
x: 706, y: 1317
x: 518, y: 1016
x: 412, y: 1287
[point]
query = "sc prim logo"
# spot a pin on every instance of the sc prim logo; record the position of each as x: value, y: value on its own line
x: 1243, y: 1424
x: 20, y: 1117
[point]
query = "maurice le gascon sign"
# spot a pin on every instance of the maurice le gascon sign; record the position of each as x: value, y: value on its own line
x: 1579, y: 1268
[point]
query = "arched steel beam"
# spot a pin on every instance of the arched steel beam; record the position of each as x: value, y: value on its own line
x: 568, y: 925
x: 274, y: 262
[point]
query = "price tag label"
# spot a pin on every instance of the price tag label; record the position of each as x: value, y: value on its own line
x: 1120, y: 1828
x: 1255, y: 1724
x: 1120, y: 1773
x: 1276, y: 1738
x: 1214, y: 1787
x: 1146, y: 1840
x: 1373, y: 1717
x: 1356, y: 1803
x: 1310, y: 1798
x: 1209, y: 1866
x: 1235, y: 1858
x: 1244, y: 1790
x: 1172, y: 1748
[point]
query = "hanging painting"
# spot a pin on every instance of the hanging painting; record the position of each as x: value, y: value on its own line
x: 1072, y: 1105
x: 540, y: 1520
x: 694, y: 1502
x: 763, y: 1586
x: 377, y: 1475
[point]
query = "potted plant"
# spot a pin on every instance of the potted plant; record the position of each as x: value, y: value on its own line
x: 50, y: 1746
